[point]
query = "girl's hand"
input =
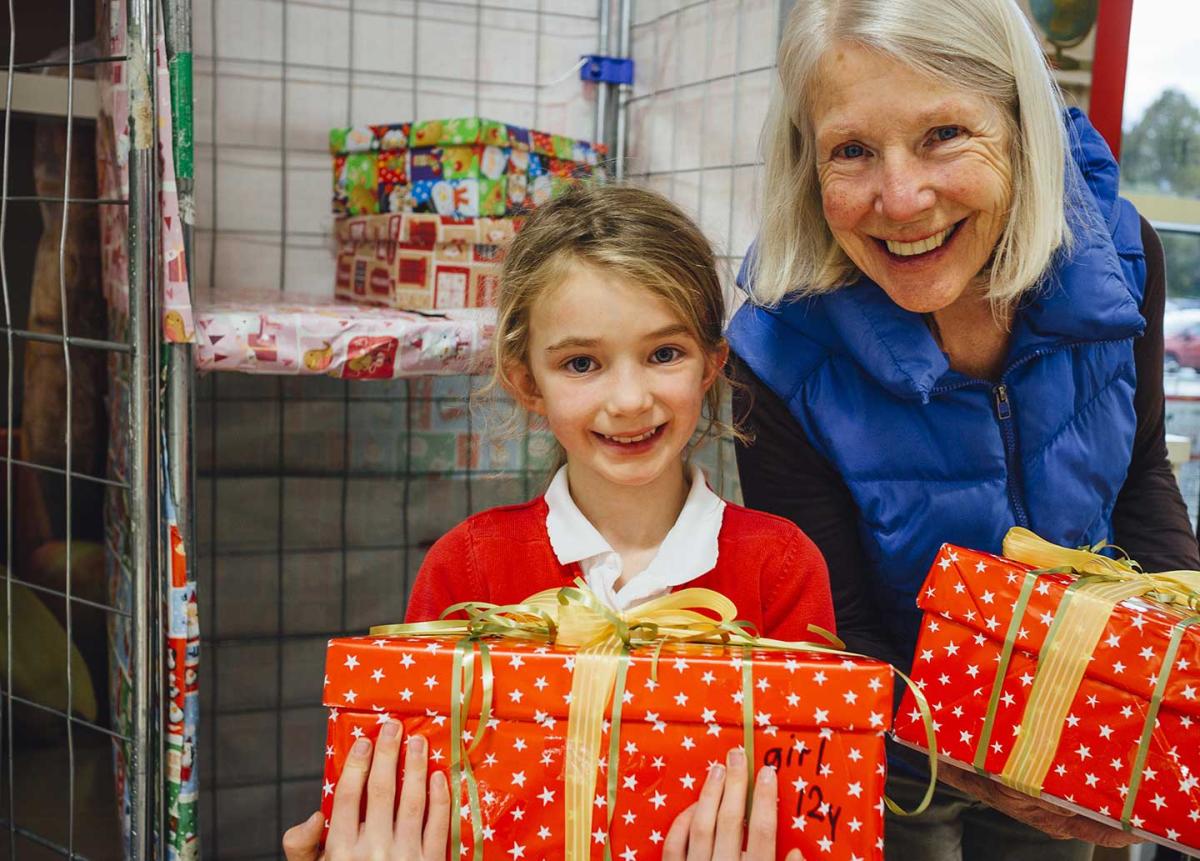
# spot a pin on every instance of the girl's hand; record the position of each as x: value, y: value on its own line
x: 414, y: 830
x: 711, y: 829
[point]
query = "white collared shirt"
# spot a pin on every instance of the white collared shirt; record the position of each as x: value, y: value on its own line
x: 689, y: 549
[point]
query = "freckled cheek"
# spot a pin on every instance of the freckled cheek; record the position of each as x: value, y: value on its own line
x: 844, y: 206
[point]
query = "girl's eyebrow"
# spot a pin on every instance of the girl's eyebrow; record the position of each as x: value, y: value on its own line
x: 575, y: 342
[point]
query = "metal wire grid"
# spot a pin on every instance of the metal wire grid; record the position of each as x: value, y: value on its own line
x: 58, y: 836
x: 317, y: 498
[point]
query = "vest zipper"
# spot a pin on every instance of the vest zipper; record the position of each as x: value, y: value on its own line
x: 1009, y: 434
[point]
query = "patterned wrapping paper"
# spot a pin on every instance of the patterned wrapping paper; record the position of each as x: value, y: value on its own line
x: 337, y: 340
x: 968, y: 601
x: 819, y: 719
x: 421, y: 261
x: 462, y: 167
x: 112, y: 165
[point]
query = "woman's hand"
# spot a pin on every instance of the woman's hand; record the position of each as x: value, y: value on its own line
x: 415, y: 830
x: 711, y: 829
x: 1055, y: 821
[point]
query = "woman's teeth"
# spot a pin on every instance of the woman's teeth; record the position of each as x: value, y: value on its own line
x: 625, y: 440
x: 909, y: 249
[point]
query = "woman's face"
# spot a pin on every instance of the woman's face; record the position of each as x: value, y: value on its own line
x: 915, y: 176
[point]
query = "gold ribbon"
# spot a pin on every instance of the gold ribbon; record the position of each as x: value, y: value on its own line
x: 1082, y: 615
x: 575, y: 616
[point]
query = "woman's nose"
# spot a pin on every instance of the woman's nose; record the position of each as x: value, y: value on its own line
x: 905, y: 189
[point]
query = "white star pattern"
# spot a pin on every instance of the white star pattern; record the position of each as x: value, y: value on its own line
x: 698, y: 714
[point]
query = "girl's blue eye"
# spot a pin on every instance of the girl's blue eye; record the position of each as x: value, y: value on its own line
x: 665, y: 355
x: 579, y: 364
x: 946, y: 133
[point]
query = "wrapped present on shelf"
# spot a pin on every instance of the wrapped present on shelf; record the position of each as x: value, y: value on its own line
x: 464, y: 167
x: 1070, y: 676
x: 421, y: 261
x: 562, y: 745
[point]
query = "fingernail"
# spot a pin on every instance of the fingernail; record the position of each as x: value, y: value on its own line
x: 736, y: 758
x: 438, y: 782
x: 390, y: 730
x: 416, y: 745
x: 361, y: 747
x: 717, y: 772
x: 766, y: 775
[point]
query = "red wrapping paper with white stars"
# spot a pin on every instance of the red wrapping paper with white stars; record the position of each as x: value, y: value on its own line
x: 819, y: 719
x: 968, y: 601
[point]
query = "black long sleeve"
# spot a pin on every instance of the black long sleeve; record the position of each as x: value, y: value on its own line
x: 1150, y: 520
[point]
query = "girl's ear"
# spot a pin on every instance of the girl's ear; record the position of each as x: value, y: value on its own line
x: 716, y: 364
x: 519, y: 382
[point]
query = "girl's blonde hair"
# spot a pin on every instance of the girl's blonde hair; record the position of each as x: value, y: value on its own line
x: 984, y: 46
x: 632, y: 233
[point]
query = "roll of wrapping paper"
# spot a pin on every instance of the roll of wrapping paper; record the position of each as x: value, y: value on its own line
x: 575, y: 616
x: 1102, y: 583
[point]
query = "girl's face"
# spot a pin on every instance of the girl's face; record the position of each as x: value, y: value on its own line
x: 618, y: 376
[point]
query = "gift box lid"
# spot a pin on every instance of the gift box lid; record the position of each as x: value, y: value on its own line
x: 424, y: 229
x: 371, y: 138
x: 693, y: 684
x: 979, y: 589
x: 462, y: 131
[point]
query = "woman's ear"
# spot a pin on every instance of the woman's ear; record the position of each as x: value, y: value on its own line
x: 518, y: 381
x: 716, y: 364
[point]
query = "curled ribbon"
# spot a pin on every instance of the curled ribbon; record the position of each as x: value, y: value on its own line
x: 1101, y: 583
x: 576, y: 617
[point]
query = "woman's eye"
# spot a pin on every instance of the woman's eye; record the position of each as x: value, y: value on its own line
x: 579, y: 364
x: 850, y: 150
x: 946, y: 133
x: 665, y: 355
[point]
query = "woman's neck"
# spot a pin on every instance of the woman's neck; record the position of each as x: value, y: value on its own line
x: 972, y: 335
x: 631, y: 519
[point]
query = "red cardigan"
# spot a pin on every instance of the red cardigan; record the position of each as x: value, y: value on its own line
x: 771, y: 570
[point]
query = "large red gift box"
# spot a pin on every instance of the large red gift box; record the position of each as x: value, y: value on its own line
x: 969, y: 599
x: 819, y: 719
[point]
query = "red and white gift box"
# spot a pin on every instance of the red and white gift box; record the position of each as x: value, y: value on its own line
x: 969, y: 599
x: 819, y: 719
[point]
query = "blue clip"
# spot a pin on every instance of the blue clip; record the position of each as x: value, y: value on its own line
x: 606, y: 70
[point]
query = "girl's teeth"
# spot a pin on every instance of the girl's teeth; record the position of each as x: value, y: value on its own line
x: 628, y: 439
x: 909, y: 249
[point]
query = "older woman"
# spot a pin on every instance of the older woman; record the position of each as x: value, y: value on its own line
x: 955, y: 327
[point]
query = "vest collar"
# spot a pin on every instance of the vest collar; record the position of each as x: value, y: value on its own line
x: 1083, y: 298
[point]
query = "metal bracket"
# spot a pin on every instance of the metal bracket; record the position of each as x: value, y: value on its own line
x: 606, y: 70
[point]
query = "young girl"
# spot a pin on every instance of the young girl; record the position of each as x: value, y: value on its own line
x: 609, y: 329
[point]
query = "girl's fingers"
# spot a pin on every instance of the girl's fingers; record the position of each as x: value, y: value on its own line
x: 381, y: 786
x: 760, y: 842
x: 728, y: 840
x: 437, y: 822
x: 343, y: 821
x: 794, y: 855
x: 302, y: 842
x: 411, y: 813
x: 704, y: 817
x: 675, y: 846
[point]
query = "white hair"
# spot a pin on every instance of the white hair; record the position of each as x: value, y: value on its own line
x: 982, y: 46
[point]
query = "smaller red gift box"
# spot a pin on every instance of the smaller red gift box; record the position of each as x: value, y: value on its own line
x: 1133, y: 724
x: 421, y: 261
x: 819, y: 719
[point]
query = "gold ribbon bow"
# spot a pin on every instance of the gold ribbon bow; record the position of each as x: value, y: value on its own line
x: 1102, y: 583
x: 575, y: 616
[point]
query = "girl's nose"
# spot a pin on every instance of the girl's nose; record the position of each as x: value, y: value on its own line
x: 630, y: 394
x: 905, y: 190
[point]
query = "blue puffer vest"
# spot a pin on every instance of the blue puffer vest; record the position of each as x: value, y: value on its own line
x: 931, y: 455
